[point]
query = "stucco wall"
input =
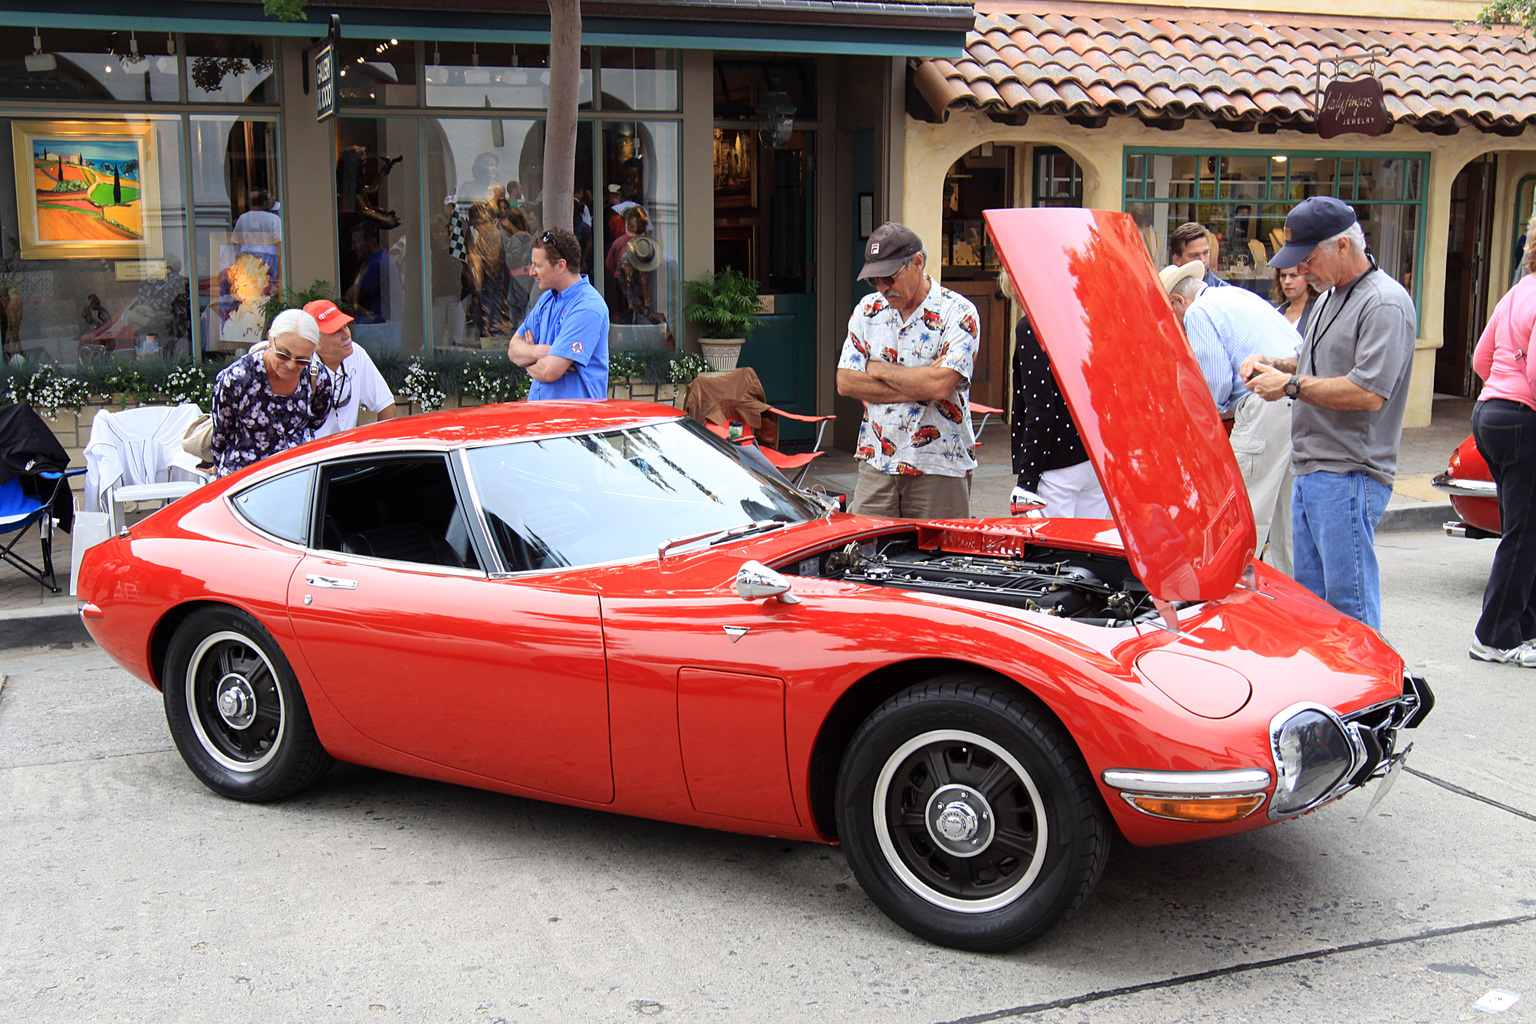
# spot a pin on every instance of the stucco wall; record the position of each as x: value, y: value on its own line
x: 933, y: 148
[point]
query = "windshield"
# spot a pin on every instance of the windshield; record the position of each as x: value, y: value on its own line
x: 619, y: 494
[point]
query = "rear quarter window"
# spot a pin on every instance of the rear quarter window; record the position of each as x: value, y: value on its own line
x: 280, y: 505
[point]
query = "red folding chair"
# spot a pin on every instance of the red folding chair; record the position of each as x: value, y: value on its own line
x: 987, y: 412
x: 733, y: 406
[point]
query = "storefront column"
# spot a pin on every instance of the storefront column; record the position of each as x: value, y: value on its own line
x: 309, y: 175
x: 697, y: 211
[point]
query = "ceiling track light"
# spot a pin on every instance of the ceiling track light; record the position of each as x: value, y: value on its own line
x: 37, y: 60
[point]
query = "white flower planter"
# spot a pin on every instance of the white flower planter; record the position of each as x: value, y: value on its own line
x: 722, y: 353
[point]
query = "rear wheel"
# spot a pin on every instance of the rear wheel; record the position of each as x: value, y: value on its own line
x: 968, y: 815
x: 236, y: 711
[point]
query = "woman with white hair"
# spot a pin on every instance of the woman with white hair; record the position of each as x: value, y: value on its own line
x: 271, y: 398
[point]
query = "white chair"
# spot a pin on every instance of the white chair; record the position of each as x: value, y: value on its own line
x: 136, y: 455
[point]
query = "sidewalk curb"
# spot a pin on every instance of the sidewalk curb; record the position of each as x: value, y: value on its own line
x: 42, y: 628
x: 1416, y: 517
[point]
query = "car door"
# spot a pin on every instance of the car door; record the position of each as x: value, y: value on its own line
x: 421, y: 650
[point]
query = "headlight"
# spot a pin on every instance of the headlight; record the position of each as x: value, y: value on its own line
x: 1313, y: 756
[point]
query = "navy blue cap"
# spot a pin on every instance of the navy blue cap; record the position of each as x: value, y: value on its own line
x: 1311, y: 221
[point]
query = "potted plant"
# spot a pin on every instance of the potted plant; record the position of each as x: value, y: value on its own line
x: 724, y: 306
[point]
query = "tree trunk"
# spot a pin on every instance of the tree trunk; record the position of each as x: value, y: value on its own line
x: 560, y: 127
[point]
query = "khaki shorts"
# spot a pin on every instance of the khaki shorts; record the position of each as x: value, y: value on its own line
x: 911, y: 497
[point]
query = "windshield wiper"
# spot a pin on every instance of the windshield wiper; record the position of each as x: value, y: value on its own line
x: 721, y: 536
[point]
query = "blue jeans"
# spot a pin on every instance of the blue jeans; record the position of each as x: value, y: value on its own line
x: 1333, y: 532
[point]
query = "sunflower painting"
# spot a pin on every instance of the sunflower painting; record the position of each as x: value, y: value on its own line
x: 92, y: 186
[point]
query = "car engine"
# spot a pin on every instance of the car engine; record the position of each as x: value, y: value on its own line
x: 1094, y: 589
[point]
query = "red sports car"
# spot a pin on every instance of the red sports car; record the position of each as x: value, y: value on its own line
x: 1474, y: 495
x: 598, y: 604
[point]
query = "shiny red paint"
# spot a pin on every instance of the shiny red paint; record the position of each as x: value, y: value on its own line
x: 1468, y: 465
x: 1136, y: 394
x: 618, y: 687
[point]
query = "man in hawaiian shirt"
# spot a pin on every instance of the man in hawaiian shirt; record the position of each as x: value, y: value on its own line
x: 909, y: 354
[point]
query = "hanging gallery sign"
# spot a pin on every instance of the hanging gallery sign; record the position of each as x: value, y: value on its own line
x: 1352, y: 106
x: 86, y: 189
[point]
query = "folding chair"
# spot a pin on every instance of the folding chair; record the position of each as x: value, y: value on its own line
x: 722, y: 401
x: 987, y: 412
x: 20, y: 509
x: 136, y: 455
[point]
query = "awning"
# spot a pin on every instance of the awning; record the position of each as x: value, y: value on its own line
x: 1092, y: 61
x: 902, y: 28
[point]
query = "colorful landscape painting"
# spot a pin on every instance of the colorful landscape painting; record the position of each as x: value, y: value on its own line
x: 90, y: 182
x: 87, y: 189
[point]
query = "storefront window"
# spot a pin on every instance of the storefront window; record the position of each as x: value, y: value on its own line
x: 93, y: 254
x: 1243, y: 198
x: 378, y: 180
x: 238, y: 230
x: 230, y: 69
x: 485, y: 183
x: 495, y: 75
x: 640, y: 231
x: 81, y: 66
x: 377, y: 73
x: 639, y: 79
x: 1058, y: 179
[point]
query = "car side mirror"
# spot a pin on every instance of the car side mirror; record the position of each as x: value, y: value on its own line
x: 755, y: 581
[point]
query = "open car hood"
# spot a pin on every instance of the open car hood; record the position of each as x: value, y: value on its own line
x: 1136, y: 394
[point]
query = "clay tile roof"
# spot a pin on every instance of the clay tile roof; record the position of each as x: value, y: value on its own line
x: 1092, y: 60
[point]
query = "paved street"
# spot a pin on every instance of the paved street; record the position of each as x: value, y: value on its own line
x: 129, y: 892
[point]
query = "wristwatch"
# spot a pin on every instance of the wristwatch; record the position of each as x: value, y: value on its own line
x: 1293, y: 387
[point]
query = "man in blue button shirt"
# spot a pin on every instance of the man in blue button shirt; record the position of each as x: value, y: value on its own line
x: 563, y: 342
x: 1224, y: 327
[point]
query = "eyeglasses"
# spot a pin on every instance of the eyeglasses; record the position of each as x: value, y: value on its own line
x: 1311, y: 257
x: 284, y: 357
x: 886, y: 282
x: 342, y: 386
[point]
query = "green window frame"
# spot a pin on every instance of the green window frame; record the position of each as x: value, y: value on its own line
x: 1243, y: 195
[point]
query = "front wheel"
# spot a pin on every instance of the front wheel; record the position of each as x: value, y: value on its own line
x: 968, y: 816
x: 236, y: 711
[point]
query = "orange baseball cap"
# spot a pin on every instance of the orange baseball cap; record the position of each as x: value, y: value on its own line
x: 327, y: 315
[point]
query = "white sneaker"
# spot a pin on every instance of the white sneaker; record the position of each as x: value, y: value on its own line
x: 1524, y: 655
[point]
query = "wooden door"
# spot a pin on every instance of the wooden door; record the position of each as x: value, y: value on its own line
x: 989, y: 381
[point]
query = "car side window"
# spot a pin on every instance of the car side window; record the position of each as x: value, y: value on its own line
x: 403, y: 509
x: 279, y: 505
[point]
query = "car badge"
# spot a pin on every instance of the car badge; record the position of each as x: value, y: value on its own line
x: 736, y: 632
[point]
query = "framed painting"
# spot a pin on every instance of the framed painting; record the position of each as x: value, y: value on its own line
x: 735, y: 167
x: 93, y: 191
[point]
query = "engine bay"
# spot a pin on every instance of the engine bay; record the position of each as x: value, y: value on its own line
x: 1094, y: 589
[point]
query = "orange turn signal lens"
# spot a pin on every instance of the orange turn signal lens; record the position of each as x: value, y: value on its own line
x: 1204, y: 808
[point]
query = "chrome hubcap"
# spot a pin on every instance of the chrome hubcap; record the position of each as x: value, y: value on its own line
x: 960, y: 820
x: 236, y: 701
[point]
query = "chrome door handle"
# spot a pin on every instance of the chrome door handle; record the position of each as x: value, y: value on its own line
x: 331, y: 582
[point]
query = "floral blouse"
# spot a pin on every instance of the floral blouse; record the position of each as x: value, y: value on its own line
x: 252, y: 422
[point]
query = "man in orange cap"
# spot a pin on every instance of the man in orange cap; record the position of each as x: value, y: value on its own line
x: 355, y: 381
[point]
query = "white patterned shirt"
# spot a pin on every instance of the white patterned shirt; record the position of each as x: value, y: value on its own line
x: 914, y: 438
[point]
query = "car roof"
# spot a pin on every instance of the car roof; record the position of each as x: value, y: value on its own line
x: 494, y: 424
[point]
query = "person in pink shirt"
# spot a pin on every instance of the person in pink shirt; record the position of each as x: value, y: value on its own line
x: 1504, y: 424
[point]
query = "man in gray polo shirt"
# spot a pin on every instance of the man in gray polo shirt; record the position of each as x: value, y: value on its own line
x: 1350, y: 383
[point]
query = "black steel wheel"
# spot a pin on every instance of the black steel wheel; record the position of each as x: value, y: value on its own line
x: 968, y: 815
x: 236, y: 711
